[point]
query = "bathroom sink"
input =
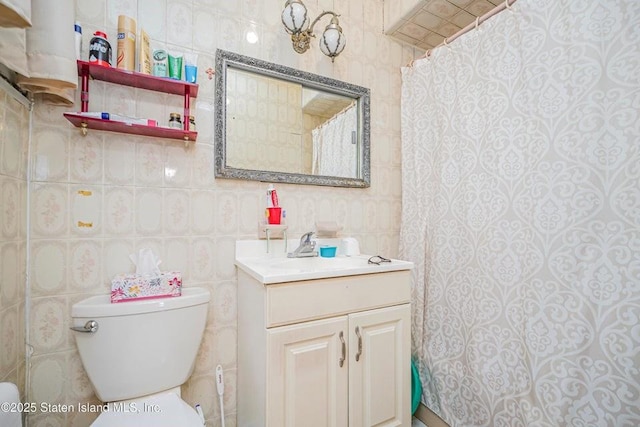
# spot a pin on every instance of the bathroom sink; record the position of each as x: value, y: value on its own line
x: 275, y: 267
x: 319, y: 263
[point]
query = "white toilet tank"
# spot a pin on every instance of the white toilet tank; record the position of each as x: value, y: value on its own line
x: 140, y: 347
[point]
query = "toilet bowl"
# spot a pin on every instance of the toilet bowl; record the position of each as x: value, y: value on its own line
x: 138, y: 353
x: 159, y: 410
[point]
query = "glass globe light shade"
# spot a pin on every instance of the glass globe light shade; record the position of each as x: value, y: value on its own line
x: 333, y: 40
x: 294, y: 16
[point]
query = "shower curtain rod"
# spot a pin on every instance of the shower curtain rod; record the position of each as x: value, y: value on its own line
x: 474, y: 25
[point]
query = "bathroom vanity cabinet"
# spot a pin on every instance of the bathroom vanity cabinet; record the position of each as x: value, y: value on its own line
x: 324, y: 352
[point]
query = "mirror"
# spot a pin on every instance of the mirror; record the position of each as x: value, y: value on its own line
x: 278, y: 124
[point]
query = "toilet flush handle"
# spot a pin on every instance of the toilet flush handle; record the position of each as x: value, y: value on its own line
x: 91, y: 326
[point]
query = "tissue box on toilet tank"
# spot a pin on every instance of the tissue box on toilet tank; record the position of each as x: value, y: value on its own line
x: 129, y: 287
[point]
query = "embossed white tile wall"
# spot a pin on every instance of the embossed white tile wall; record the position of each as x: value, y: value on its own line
x: 149, y: 167
x: 49, y: 161
x: 149, y: 211
x: 156, y: 106
x: 226, y: 214
x: 119, y: 161
x: 177, y: 257
x: 84, y: 265
x: 206, y: 39
x: 10, y: 259
x: 202, y: 219
x: 48, y: 328
x: 224, y: 303
x: 80, y: 388
x: 10, y: 211
x: 48, y: 375
x: 86, y: 157
x: 50, y: 210
x: 120, y: 99
x: 119, y: 211
x: 85, y: 210
x: 116, y: 258
x: 49, y: 267
x: 152, y: 17
x: 13, y: 165
x: 176, y: 212
x: 180, y: 23
x: 177, y: 161
x: 9, y: 334
x: 205, y: 115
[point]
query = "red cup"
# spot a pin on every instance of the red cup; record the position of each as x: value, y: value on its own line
x: 274, y: 215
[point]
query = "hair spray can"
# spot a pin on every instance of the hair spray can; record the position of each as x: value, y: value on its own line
x: 100, y: 49
x: 126, y: 43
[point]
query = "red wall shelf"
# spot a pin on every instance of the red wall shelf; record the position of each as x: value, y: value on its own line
x: 81, y: 121
x: 137, y: 80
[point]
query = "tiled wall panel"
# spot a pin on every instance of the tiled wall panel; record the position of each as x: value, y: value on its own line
x: 14, y: 134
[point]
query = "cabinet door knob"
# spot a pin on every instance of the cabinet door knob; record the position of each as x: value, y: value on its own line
x: 359, y: 353
x: 344, y: 350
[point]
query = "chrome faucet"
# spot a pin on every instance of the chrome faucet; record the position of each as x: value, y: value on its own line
x: 307, y: 247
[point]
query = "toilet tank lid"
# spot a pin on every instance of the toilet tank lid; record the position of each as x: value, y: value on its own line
x: 101, y: 305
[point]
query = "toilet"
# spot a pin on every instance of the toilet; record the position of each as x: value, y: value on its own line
x: 138, y: 353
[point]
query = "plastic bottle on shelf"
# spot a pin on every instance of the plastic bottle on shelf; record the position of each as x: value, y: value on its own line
x: 78, y: 39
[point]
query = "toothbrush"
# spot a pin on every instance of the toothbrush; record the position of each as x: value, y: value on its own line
x: 220, y: 387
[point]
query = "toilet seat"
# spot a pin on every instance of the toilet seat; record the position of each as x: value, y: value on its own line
x: 164, y: 410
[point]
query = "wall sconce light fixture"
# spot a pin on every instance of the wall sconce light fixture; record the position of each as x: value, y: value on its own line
x: 296, y: 22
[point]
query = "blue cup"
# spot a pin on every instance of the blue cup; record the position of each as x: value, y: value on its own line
x: 328, y: 251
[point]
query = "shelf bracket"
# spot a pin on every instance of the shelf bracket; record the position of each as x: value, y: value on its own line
x: 84, y: 95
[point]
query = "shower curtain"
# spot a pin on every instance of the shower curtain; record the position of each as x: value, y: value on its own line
x: 521, y: 212
x: 334, y: 151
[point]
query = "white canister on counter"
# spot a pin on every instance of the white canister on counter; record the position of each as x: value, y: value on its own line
x: 350, y: 246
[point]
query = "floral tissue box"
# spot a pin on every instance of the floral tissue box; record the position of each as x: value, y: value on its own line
x: 129, y: 287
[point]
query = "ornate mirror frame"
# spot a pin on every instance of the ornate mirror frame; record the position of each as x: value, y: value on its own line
x: 225, y: 59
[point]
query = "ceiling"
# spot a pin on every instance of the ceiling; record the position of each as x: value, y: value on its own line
x: 426, y: 25
x: 323, y: 104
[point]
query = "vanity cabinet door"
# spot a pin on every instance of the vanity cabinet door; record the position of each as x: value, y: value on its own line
x: 307, y: 384
x: 380, y: 367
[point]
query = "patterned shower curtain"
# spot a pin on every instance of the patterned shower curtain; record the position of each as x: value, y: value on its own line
x: 521, y: 211
x: 334, y: 150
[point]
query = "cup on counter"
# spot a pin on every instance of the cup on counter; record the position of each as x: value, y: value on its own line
x: 350, y: 246
x: 328, y: 251
x: 274, y: 215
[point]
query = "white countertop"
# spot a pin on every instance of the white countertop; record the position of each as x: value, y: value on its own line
x: 275, y: 267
